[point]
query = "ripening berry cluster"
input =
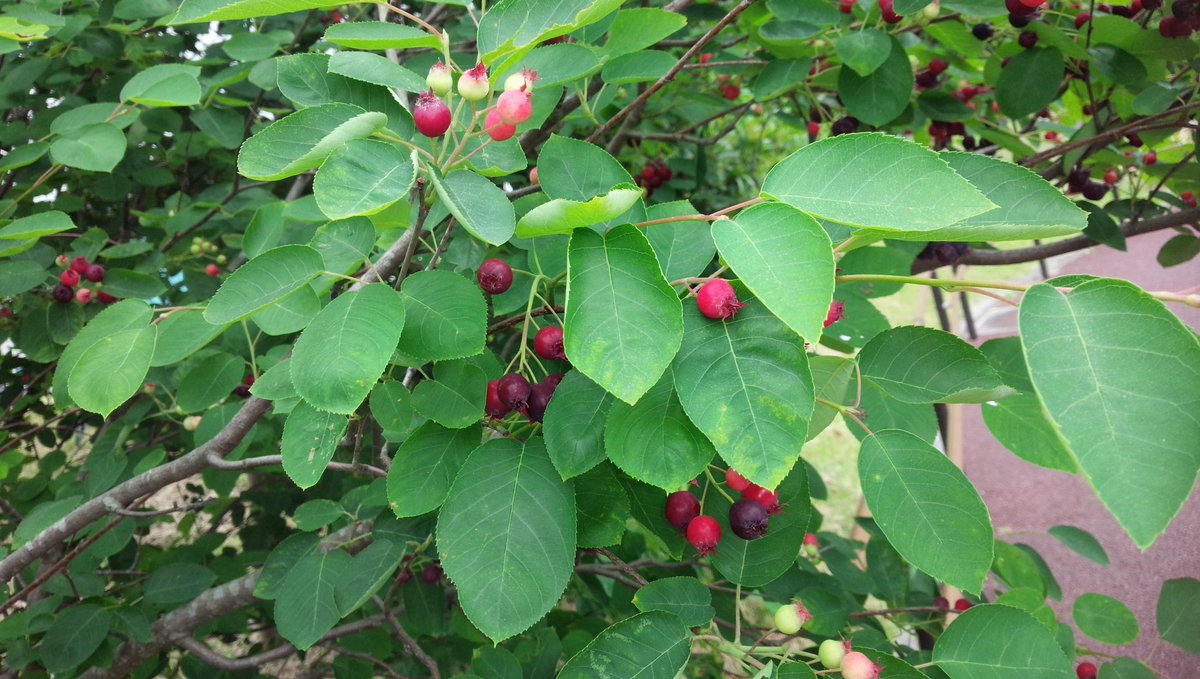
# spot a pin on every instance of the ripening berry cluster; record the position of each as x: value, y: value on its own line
x: 74, y: 272
x: 748, y: 517
x: 514, y: 106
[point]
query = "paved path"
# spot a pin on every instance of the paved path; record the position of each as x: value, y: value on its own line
x: 1029, y: 499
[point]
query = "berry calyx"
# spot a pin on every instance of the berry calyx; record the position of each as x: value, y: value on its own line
x: 831, y: 653
x: 736, y: 481
x: 212, y: 270
x: 514, y: 107
x: 768, y: 499
x: 748, y: 519
x: 681, y: 508
x: 494, y: 407
x: 83, y: 295
x: 513, y: 390
x: 1086, y: 670
x: 440, y: 80
x: 717, y: 300
x: 431, y: 115
x: 473, y: 85
x: 79, y: 265
x: 791, y: 617
x: 69, y: 278
x: 855, y: 665
x: 94, y: 273
x: 548, y: 344
x: 837, y: 311
x: 704, y: 533
x: 495, y: 276
x: 496, y: 129
x: 962, y: 605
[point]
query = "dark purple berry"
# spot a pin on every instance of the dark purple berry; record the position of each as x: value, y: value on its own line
x: 539, y: 398
x: 1018, y: 20
x: 62, y: 294
x: 982, y: 31
x: 681, y: 508
x: 1094, y: 190
x: 1027, y: 39
x: 94, y: 273
x: 432, y: 574
x: 844, y: 126
x: 748, y: 519
x: 513, y: 390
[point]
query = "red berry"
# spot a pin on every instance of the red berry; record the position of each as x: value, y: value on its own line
x: 1081, y: 19
x: 513, y: 390
x: 649, y: 173
x: 1034, y: 4
x: 664, y: 172
x: 748, y: 519
x: 1027, y: 39
x: 6, y: 313
x: 1188, y: 198
x: 548, y: 343
x: 888, y: 11
x: 845, y: 6
x: 431, y: 115
x: 705, y: 57
x: 1150, y: 158
x: 496, y: 129
x: 1110, y: 176
x: 432, y: 574
x: 94, y: 273
x: 814, y: 129
x: 495, y: 276
x: 731, y: 92
x: 69, y: 278
x: 62, y: 294
x: 1085, y: 670
x: 717, y: 300
x: 539, y: 398
x: 704, y: 533
x: 105, y: 298
x: 79, y: 265
x: 937, y: 66
x: 810, y: 540
x: 83, y: 295
x: 495, y: 407
x: 1051, y: 136
x: 836, y: 313
x: 768, y: 499
x: 404, y: 577
x: 962, y: 605
x: 681, y: 508
x: 248, y: 380
x: 736, y: 482
x: 514, y: 107
x: 212, y: 270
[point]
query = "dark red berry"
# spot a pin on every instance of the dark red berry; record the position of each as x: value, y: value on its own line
x: 1094, y: 190
x: 1027, y: 39
x: 105, y: 298
x: 495, y: 276
x: 539, y: 398
x: 731, y: 92
x: 704, y: 533
x: 941, y: 603
x: 1018, y: 20
x: 717, y: 300
x: 1110, y: 176
x: 432, y: 574
x: 79, y: 265
x: 495, y: 407
x: 548, y: 343
x: 1183, y: 9
x: 554, y: 379
x: 926, y: 80
x: 836, y: 313
x: 649, y: 173
x: 962, y: 605
x: 1085, y: 670
x: 768, y: 499
x: 1150, y: 158
x: 62, y: 294
x: 845, y: 125
x: 94, y: 273
x: 736, y: 482
x: 748, y: 519
x: 431, y: 115
x: 1081, y: 19
x: 937, y: 66
x: 69, y: 278
x: 405, y: 576
x: 513, y: 390
x: 242, y: 391
x: 681, y: 508
x: 248, y: 380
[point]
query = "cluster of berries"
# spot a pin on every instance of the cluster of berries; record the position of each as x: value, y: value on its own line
x: 652, y: 176
x: 1184, y: 19
x: 1079, y: 180
x: 514, y: 106
x: 927, y: 78
x: 243, y: 390
x: 943, y: 604
x: 431, y: 574
x: 748, y: 516
x: 75, y: 271
x: 514, y: 393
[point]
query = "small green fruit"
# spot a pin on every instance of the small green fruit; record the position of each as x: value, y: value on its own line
x: 831, y: 653
x: 195, y: 249
x: 791, y: 617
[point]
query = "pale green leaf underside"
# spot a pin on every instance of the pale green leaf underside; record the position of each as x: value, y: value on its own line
x: 362, y: 178
x: 310, y: 438
x: 193, y: 11
x: 262, y: 281
x: 304, y: 139
x: 562, y: 216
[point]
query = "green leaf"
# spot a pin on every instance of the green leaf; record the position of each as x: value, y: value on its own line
x: 375, y: 69
x: 636, y: 67
x: 95, y: 148
x: 1126, y: 668
x: 1020, y: 425
x: 209, y: 381
x: 391, y: 406
x: 971, y: 648
x: 682, y: 596
x: 864, y: 51
x: 133, y: 284
x: 1081, y: 542
x: 194, y: 11
x: 276, y: 383
x: 518, y: 25
x: 446, y: 316
x: 164, y: 85
x: 639, y: 28
x: 176, y: 583
x: 306, y: 606
x: 881, y: 96
x: 478, y: 204
x: 601, y: 508
x: 927, y: 508
x: 368, y: 572
x: 1178, y: 250
x: 74, y: 636
x: 831, y: 381
x: 112, y: 370
x: 120, y: 317
x: 264, y: 230
x: 683, y: 248
x: 623, y: 320
x: 304, y: 139
x: 379, y: 35
x: 654, y: 442
x: 281, y: 561
x: 651, y: 645
x: 36, y: 226
x: 506, y: 536
x: 290, y: 314
x: 1178, y: 614
x: 1104, y: 619
x: 262, y: 281
x: 310, y: 438
x: 1136, y: 448
x: 456, y: 397
x: 745, y: 383
x: 564, y: 216
x: 20, y: 276
x: 363, y: 177
x: 248, y: 47
x: 343, y: 352
x: 786, y: 260
x: 574, y: 424
x: 922, y: 365
x: 556, y: 64
x: 316, y: 514
x: 754, y: 563
x: 874, y: 180
x: 425, y: 465
x: 1029, y: 82
x: 572, y: 169
x: 780, y: 77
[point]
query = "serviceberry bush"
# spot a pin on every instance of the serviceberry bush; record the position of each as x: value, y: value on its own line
x: 486, y: 339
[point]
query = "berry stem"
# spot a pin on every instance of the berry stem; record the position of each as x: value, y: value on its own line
x: 713, y: 482
x: 702, y: 218
x: 847, y: 411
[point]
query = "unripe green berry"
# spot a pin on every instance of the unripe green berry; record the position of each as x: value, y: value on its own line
x: 473, y: 85
x: 221, y: 259
x: 831, y: 653
x: 195, y: 249
x: 440, y: 80
x: 791, y: 617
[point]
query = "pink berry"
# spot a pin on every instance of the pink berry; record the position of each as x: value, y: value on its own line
x: 855, y: 665
x: 494, y: 276
x: 431, y: 115
x: 768, y: 499
x: 514, y: 107
x: 704, y: 534
x: 939, y: 66
x: 836, y: 313
x: 731, y: 92
x: 94, y: 273
x: 548, y: 343
x: 79, y: 265
x: 69, y: 278
x: 736, y: 482
x: 717, y: 300
x: 1110, y: 176
x: 681, y: 508
x: 962, y: 605
x: 473, y: 85
x: 83, y: 295
x: 533, y: 176
x: 212, y: 270
x: 810, y: 540
x: 1085, y: 670
x: 1150, y: 158
x: 495, y: 129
